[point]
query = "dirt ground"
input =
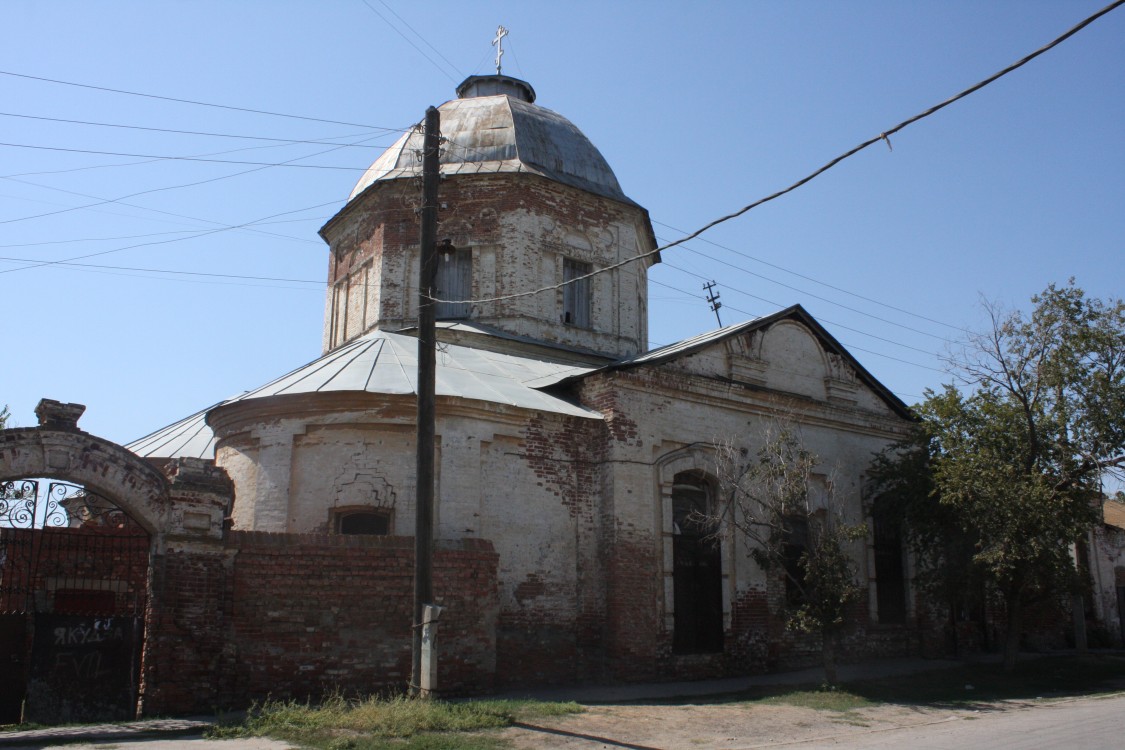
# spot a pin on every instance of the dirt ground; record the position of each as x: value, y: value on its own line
x: 730, y: 726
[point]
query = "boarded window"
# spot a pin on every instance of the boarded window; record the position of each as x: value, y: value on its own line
x: 454, y: 282
x: 576, y: 294
x: 697, y: 583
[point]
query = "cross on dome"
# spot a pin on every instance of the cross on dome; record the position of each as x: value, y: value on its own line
x: 498, y: 43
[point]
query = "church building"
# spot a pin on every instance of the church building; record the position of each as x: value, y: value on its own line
x: 562, y: 442
x: 263, y: 546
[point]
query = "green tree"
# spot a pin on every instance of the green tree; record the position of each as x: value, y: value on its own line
x: 794, y: 530
x: 1006, y: 468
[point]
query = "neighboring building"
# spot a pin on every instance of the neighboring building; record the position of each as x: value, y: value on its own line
x: 1107, y: 571
x: 561, y: 441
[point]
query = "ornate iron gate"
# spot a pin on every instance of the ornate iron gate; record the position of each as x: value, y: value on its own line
x: 73, y: 586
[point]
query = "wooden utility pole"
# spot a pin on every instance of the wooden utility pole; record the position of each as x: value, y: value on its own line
x: 424, y: 505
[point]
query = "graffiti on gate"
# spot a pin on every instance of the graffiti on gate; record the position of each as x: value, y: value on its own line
x: 84, y: 668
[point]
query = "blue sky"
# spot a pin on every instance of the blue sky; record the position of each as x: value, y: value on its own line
x: 699, y: 108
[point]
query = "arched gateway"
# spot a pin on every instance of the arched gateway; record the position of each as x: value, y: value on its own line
x: 82, y: 521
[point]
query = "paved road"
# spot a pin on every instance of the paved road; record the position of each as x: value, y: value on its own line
x: 1079, y: 724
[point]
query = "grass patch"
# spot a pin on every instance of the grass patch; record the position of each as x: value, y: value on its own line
x: 822, y: 699
x: 401, y: 723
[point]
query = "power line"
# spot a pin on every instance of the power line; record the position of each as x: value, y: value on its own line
x: 164, y: 270
x: 850, y: 347
x: 882, y: 137
x: 156, y: 234
x: 186, y: 101
x: 153, y: 161
x: 195, y: 132
x: 817, y: 296
x: 162, y: 212
x: 415, y: 32
x: 815, y: 280
x: 121, y: 199
x: 194, y: 219
x: 203, y: 233
x: 183, y: 158
x: 822, y: 319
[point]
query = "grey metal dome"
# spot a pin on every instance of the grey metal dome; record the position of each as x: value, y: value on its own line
x: 496, y: 127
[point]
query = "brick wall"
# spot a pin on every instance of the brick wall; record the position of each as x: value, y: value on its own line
x: 300, y: 616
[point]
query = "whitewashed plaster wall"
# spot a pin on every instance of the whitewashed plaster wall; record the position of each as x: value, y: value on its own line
x: 292, y: 474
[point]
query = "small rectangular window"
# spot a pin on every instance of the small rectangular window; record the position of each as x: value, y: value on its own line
x: 454, y: 282
x: 576, y: 294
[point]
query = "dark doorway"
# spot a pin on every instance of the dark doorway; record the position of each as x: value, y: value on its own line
x: 697, y: 582
x: 890, y: 578
x: 73, y: 587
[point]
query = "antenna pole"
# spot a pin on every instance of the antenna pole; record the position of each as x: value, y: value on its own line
x: 713, y: 298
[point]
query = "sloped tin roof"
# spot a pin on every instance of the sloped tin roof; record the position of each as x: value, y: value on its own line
x: 387, y: 363
x: 384, y: 362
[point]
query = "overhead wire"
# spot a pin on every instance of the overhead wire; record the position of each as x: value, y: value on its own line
x: 816, y: 296
x: 182, y: 158
x: 187, y: 101
x: 120, y: 200
x: 883, y: 137
x: 89, y: 266
x: 823, y: 319
x: 408, y: 41
x: 153, y: 234
x: 202, y: 233
x: 425, y: 41
x: 849, y: 346
x: 116, y: 165
x: 205, y: 133
x: 806, y: 277
x: 149, y: 277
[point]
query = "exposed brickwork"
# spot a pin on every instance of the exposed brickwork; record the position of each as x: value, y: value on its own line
x: 554, y: 634
x: 525, y: 223
x: 185, y: 654
x: 287, y: 615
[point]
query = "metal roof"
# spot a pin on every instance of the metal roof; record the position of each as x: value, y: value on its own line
x: 495, y: 134
x: 387, y: 363
x: 384, y: 362
x: 188, y: 438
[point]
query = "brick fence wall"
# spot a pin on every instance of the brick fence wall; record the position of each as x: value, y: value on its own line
x: 301, y: 616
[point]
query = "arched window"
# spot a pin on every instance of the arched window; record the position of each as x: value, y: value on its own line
x: 697, y: 567
x: 369, y: 522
